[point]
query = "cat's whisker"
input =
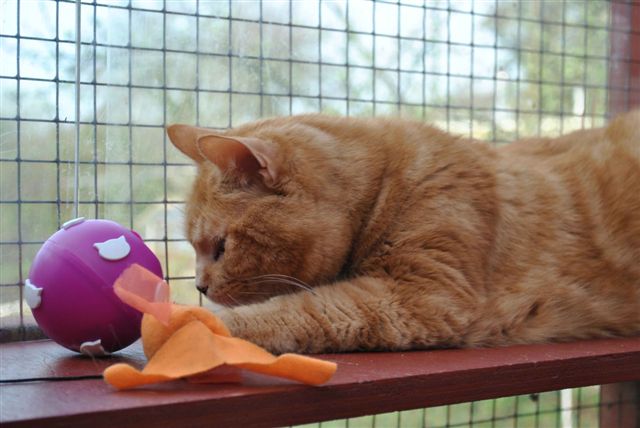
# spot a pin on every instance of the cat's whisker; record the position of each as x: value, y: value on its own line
x: 280, y: 281
x: 285, y: 279
x: 277, y: 278
x: 288, y: 280
x: 277, y: 275
x: 263, y: 293
x: 285, y: 282
x: 233, y: 299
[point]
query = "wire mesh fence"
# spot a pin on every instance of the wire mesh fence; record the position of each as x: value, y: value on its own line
x: 493, y: 70
x: 567, y: 408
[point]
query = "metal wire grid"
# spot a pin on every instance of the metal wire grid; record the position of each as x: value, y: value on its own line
x: 334, y: 79
x: 535, y: 410
x: 146, y: 64
x: 578, y: 407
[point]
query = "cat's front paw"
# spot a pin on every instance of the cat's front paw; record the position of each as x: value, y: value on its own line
x: 230, y: 320
x: 272, y: 334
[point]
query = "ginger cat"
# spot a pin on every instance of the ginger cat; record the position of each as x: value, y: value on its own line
x: 323, y: 234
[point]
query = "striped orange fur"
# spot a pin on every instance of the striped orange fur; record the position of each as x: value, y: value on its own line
x: 414, y: 238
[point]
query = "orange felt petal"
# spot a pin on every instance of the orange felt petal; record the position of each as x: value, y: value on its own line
x: 155, y: 334
x: 123, y: 376
x: 144, y: 291
x: 190, y: 350
x: 186, y: 352
x: 311, y: 371
x: 246, y: 355
x: 195, y: 350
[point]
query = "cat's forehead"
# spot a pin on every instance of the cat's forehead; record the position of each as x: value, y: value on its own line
x: 211, y: 208
x: 206, y: 220
x: 200, y: 231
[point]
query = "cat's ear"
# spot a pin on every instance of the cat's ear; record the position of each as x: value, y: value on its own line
x: 185, y: 139
x: 244, y: 156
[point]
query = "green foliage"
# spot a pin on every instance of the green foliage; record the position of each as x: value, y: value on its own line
x: 558, y: 52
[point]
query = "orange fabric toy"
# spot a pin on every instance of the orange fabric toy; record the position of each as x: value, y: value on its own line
x: 191, y: 342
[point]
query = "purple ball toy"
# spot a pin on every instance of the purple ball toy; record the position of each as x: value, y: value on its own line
x: 70, y: 285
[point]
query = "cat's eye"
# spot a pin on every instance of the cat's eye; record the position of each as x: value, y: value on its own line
x: 218, y: 249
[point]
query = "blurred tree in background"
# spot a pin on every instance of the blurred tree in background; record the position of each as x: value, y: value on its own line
x: 558, y: 55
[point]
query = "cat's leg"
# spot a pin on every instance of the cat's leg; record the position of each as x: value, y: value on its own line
x: 361, y: 314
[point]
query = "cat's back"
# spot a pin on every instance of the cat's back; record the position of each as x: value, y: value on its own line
x: 618, y: 140
x: 606, y: 160
x: 587, y: 184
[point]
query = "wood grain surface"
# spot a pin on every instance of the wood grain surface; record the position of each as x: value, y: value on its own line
x: 365, y: 383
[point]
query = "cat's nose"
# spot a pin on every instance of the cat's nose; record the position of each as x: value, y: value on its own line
x: 202, y: 288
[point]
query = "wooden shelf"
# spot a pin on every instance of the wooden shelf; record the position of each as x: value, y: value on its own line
x: 365, y: 383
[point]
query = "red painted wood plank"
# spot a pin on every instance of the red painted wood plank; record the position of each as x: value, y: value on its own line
x: 624, y: 58
x: 365, y: 383
x: 620, y: 405
x: 42, y: 359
